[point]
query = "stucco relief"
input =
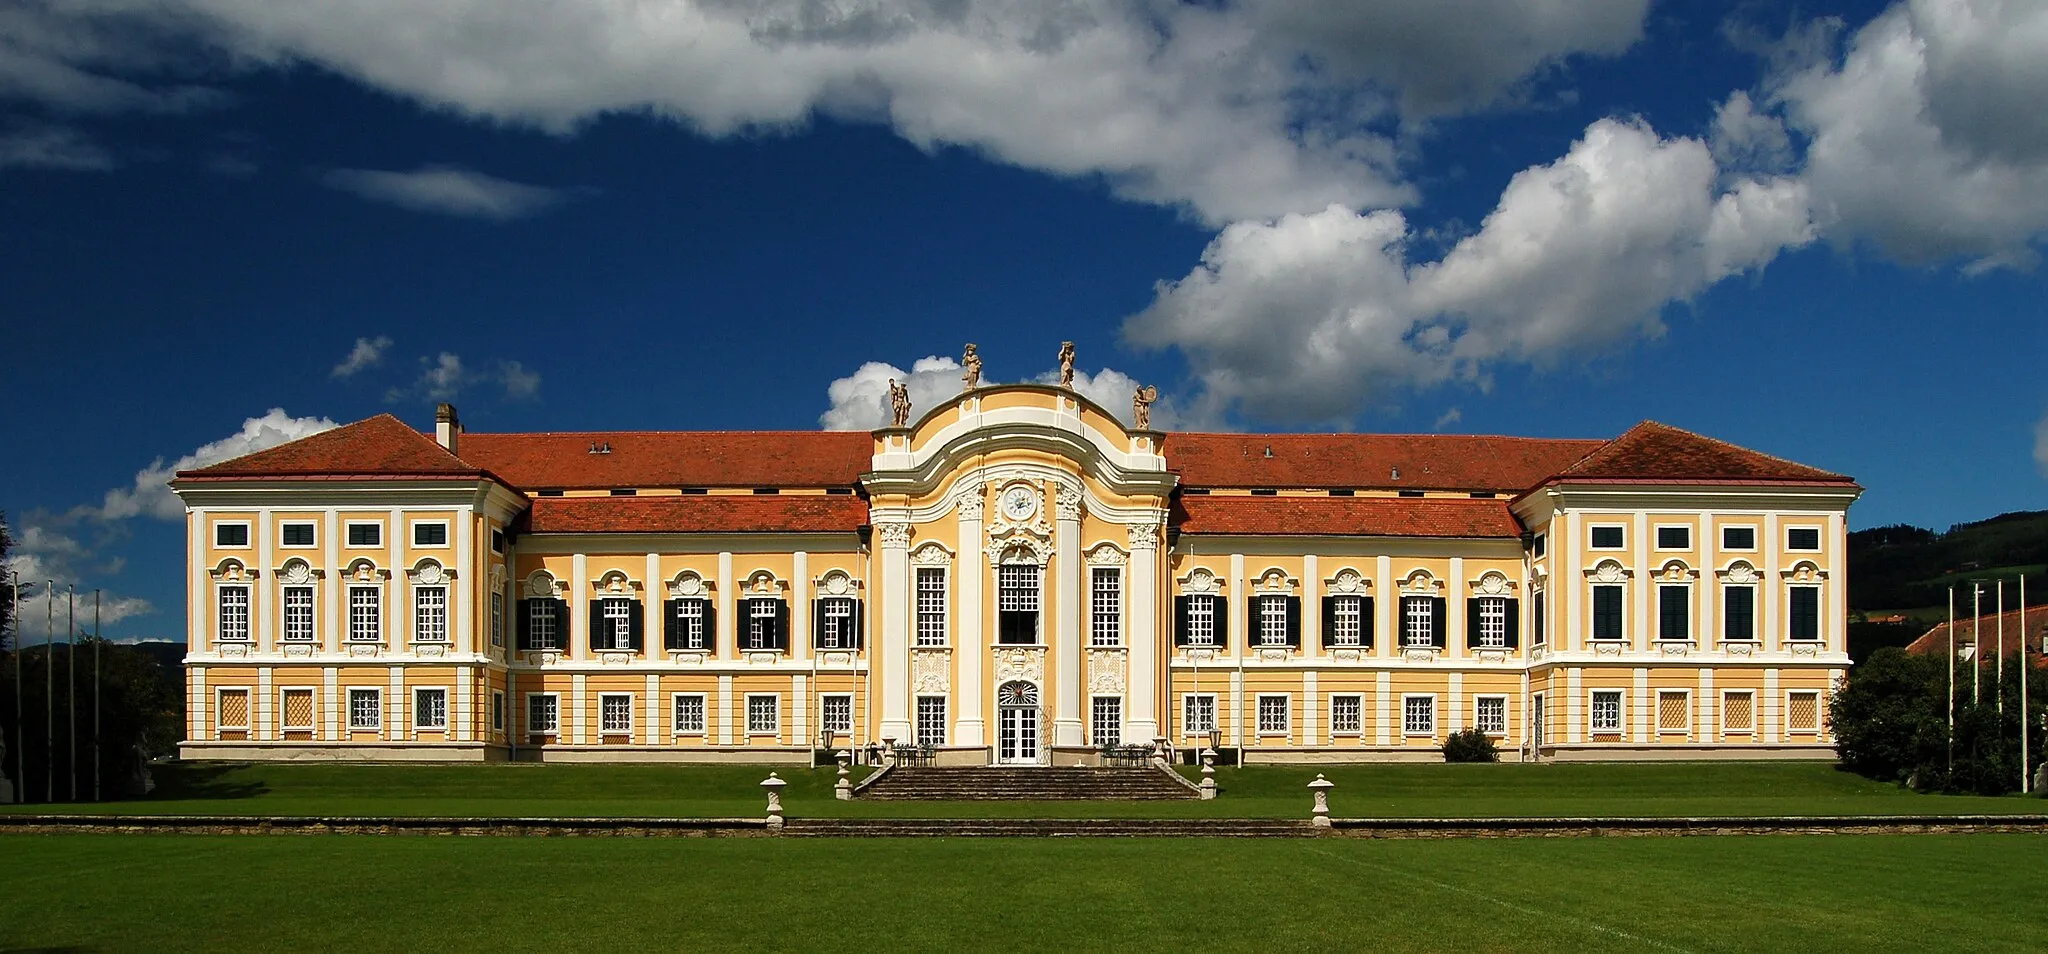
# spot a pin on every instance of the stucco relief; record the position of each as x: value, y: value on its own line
x: 540, y: 585
x: 1740, y: 572
x: 931, y: 554
x: 1105, y: 671
x: 1493, y: 583
x: 1105, y: 554
x: 970, y: 503
x: 1020, y: 663
x: 894, y: 536
x: 1067, y: 501
x: 688, y: 586
x: 1348, y: 582
x: 931, y: 671
x: 297, y: 571
x: 1143, y: 536
x: 1608, y: 571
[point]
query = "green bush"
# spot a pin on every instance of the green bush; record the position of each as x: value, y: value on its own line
x: 1891, y: 719
x: 1470, y: 745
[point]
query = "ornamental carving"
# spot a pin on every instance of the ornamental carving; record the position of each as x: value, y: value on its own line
x: 1274, y: 582
x: 1608, y: 647
x: 970, y: 504
x: 1608, y: 571
x: 894, y: 536
x: 233, y: 650
x: 1020, y: 663
x: 1804, y: 572
x: 364, y: 571
x: 693, y: 658
x: 298, y: 649
x: 615, y: 659
x: 1740, y: 572
x: 1493, y: 583
x: 1106, y: 671
x: 1011, y: 540
x: 1067, y: 500
x: 1675, y: 571
x: 429, y: 573
x: 1105, y: 554
x: 614, y: 583
x: 232, y: 571
x: 932, y: 554
x: 1743, y: 648
x: 1346, y: 655
x: 931, y: 672
x: 1144, y: 536
x: 297, y: 571
x: 688, y: 586
x: 837, y: 583
x: 1349, y: 582
x: 430, y: 650
x: 1493, y: 656
x: 762, y: 583
x: 497, y: 577
x: 1420, y: 583
x: 541, y: 585
x: 1200, y: 581
x: 1675, y: 647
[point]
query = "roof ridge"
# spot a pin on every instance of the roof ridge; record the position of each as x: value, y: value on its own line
x: 1734, y: 446
x: 1498, y: 437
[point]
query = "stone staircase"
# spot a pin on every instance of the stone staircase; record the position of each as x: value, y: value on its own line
x: 1048, y: 828
x: 991, y: 783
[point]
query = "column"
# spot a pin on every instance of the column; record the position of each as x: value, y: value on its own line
x: 800, y: 611
x: 263, y: 724
x: 1142, y: 599
x: 725, y: 718
x: 1384, y: 604
x: 894, y: 594
x: 1835, y: 624
x: 579, y: 607
x: 1454, y: 613
x: 1709, y: 589
x: 196, y: 631
x: 799, y: 709
x: 464, y: 588
x: 1240, y: 630
x: 1574, y: 706
x: 1770, y: 589
x: 1067, y: 718
x: 261, y: 606
x: 1570, y: 577
x: 728, y: 627
x: 330, y: 702
x: 654, y: 709
x: 1383, y: 706
x: 1311, y: 607
x: 464, y: 715
x: 651, y: 594
x: 1309, y: 708
x: 577, y: 684
x: 330, y: 583
x: 969, y: 645
x: 1642, y: 626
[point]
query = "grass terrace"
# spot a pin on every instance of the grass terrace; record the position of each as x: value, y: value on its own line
x: 1383, y: 791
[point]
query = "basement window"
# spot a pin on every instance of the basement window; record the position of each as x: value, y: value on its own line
x: 839, y: 491
x: 767, y: 490
x: 695, y: 491
x: 1343, y: 493
x: 547, y: 493
x: 1265, y: 492
x: 1411, y: 493
x: 1483, y: 495
x: 625, y: 491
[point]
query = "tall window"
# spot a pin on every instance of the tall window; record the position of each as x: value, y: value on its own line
x: 365, y: 709
x: 762, y: 616
x: 689, y: 631
x: 543, y: 713
x: 1418, y: 715
x: 764, y: 714
x: 1198, y: 714
x: 497, y: 711
x: 298, y: 614
x: 1106, y: 607
x: 690, y: 713
x: 543, y: 624
x: 1738, y: 617
x: 1537, y: 619
x: 430, y: 614
x: 1674, y: 612
x: 1347, y: 621
x: 1804, y: 617
x: 1106, y: 720
x: 835, y: 623
x: 614, y: 625
x: 1607, y: 711
x: 430, y: 709
x: 234, y: 614
x: 615, y: 713
x: 1272, y: 620
x: 1202, y: 620
x: 1272, y: 715
x: 1017, y: 602
x: 497, y: 619
x: 1607, y: 611
x: 931, y: 606
x: 1347, y: 714
x: 1493, y: 621
x: 836, y: 714
x: 365, y: 614
x: 1491, y: 714
x: 1418, y: 617
x: 931, y: 720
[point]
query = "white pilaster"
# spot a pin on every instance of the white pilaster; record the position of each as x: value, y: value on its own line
x: 1709, y: 594
x: 577, y: 684
x: 196, y: 600
x: 728, y: 605
x: 652, y: 593
x: 1383, y: 692
x: 1770, y: 704
x: 579, y: 611
x: 1143, y: 598
x: 260, y: 604
x: 1311, y: 608
x: 1770, y: 591
x: 1309, y: 708
x: 725, y: 710
x: 1574, y: 706
x: 467, y: 579
x: 1237, y: 707
x: 895, y: 596
x: 330, y: 702
x: 800, y: 614
x: 969, y: 647
x: 1569, y: 577
x: 1644, y: 703
x: 1240, y: 630
x: 397, y: 615
x: 655, y: 709
x: 1835, y: 625
x: 330, y: 584
x: 394, y: 706
x: 197, y: 706
x: 1454, y: 614
x: 464, y: 704
x: 1704, y: 715
x: 799, y: 709
x: 264, y: 706
x: 1384, y: 604
x: 1067, y: 716
x: 1642, y: 628
x: 1459, y: 719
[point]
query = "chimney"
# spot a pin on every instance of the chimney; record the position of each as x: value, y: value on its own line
x: 447, y: 429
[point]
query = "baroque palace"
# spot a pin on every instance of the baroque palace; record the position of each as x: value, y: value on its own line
x: 1017, y: 577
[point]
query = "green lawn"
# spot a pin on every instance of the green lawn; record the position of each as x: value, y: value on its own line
x: 355, y: 893
x: 1390, y: 791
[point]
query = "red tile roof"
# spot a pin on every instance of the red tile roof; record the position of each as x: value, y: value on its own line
x: 1423, y: 461
x: 1345, y: 516
x: 378, y: 447
x: 1936, y: 640
x: 723, y: 513
x: 673, y: 458
x: 1653, y: 451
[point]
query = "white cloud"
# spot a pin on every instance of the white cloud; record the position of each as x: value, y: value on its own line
x: 1446, y: 419
x: 52, y: 147
x: 442, y: 377
x: 520, y: 383
x: 367, y: 352
x: 2041, y: 445
x: 447, y: 190
x: 445, y: 376
x: 860, y: 401
x: 149, y: 495
x: 1306, y: 317
x: 63, y: 55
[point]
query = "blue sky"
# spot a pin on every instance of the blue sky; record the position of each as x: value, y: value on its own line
x: 1812, y: 233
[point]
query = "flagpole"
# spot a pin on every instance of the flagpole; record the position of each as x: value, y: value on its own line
x: 50, y: 692
x: 97, y: 639
x: 2026, y: 777
x: 20, y: 726
x: 1976, y: 643
x: 1951, y: 678
x: 1999, y: 693
x: 71, y: 682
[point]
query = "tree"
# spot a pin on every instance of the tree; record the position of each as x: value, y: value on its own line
x: 140, y: 708
x: 1883, y: 711
x: 7, y: 633
x: 1891, y: 722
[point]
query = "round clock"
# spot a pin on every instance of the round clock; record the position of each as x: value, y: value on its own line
x: 1019, y: 503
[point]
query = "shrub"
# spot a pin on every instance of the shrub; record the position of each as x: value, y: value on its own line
x: 1470, y: 745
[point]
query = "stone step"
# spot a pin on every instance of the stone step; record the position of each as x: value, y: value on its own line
x: 1046, y: 827
x: 991, y: 783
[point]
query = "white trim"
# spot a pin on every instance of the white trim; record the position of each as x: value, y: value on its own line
x: 526, y: 725
x: 417, y: 726
x: 703, y: 728
x: 348, y: 705
x: 747, y: 713
x: 1215, y: 715
x: 1286, y: 714
x: 1722, y: 719
x: 1754, y: 536
x: 604, y: 732
x: 1620, y: 727
x: 1657, y: 717
x: 248, y: 709
x: 1820, y: 718
x: 1434, y: 721
x: 1820, y: 537
x: 1359, y: 731
x: 1506, y: 714
x: 284, y: 710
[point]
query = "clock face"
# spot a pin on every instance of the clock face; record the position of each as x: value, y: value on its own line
x: 1019, y: 503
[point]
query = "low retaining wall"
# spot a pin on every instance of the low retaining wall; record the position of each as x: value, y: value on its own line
x: 284, y: 825
x: 1598, y: 827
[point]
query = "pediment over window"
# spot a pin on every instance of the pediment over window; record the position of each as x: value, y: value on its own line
x: 1493, y: 583
x: 1609, y: 571
x: 542, y: 585
x: 687, y: 585
x: 232, y: 570
x: 838, y: 583
x: 1420, y: 583
x: 1349, y: 581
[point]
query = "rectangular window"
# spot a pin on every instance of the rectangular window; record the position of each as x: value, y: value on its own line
x: 1738, y: 614
x: 543, y: 713
x: 1106, y: 720
x: 497, y: 619
x: 615, y: 713
x: 931, y: 606
x: 1198, y: 714
x: 1272, y: 620
x: 1537, y: 545
x: 1347, y: 715
x: 762, y: 617
x: 1202, y: 620
x: 1802, y: 538
x: 295, y: 534
x: 836, y: 715
x: 542, y: 624
x: 1674, y: 538
x: 1608, y: 537
x: 1738, y: 538
x: 1674, y: 612
x: 764, y: 714
x: 690, y: 713
x: 1607, y: 611
x: 234, y: 614
x: 1606, y: 711
x: 430, y: 709
x: 1674, y: 712
x: 1738, y: 712
x: 835, y: 623
x: 298, y: 710
x: 430, y: 534
x: 232, y: 710
x: 1493, y: 621
x: 931, y: 720
x: 497, y: 541
x: 365, y: 709
x: 1418, y: 715
x: 1273, y: 715
x: 690, y: 624
x: 614, y: 625
x: 1803, y: 620
x: 365, y: 534
x: 1017, y: 603
x: 365, y: 614
x: 1106, y: 607
x: 1490, y: 714
x: 1347, y: 621
x: 231, y: 534
x: 430, y: 616
x: 1802, y: 711
x: 1418, y: 618
x: 497, y: 711
x: 1539, y: 619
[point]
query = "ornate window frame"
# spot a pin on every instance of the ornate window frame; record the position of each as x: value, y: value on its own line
x: 364, y: 573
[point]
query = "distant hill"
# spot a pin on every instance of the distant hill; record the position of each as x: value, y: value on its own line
x: 1908, y: 568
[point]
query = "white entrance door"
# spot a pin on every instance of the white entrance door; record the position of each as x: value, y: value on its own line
x: 1017, y: 724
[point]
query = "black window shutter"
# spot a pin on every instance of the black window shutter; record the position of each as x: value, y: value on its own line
x: 1365, y: 621
x: 525, y: 612
x: 1294, y: 622
x: 1514, y: 624
x: 859, y: 633
x: 561, y: 624
x: 1437, y: 612
x: 1222, y: 620
x: 596, y: 609
x: 1403, y: 629
x: 782, y: 625
x: 817, y: 624
x: 1180, y: 621
x: 671, y: 628
x: 1329, y: 619
x: 1471, y: 622
x: 637, y: 625
x: 710, y: 626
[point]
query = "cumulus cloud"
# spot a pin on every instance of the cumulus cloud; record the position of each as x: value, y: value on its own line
x: 1306, y: 317
x: 52, y: 147
x: 2041, y: 445
x: 63, y: 56
x: 1447, y: 419
x: 367, y: 352
x: 860, y: 401
x: 445, y: 376
x: 519, y: 382
x: 447, y: 190
x: 149, y: 494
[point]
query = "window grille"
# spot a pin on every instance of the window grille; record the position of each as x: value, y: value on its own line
x: 1106, y: 720
x: 761, y: 619
x: 1802, y: 712
x: 690, y: 714
x: 1017, y: 598
x: 1198, y: 715
x: 543, y: 713
x: 1418, y: 715
x: 838, y: 714
x: 689, y: 624
x: 764, y: 715
x: 430, y: 708
x: 1493, y: 621
x: 931, y: 720
x: 931, y: 606
x: 1738, y: 712
x: 1421, y: 616
x: 615, y: 713
x: 1272, y: 621
x: 298, y: 614
x: 365, y: 614
x: 1272, y: 715
x: 430, y: 618
x: 541, y: 620
x: 1201, y: 620
x: 365, y: 709
x: 234, y: 710
x: 1492, y: 714
x: 835, y: 618
x: 298, y: 709
x: 1106, y: 607
x: 234, y: 614
x: 1347, y: 619
x: 615, y: 625
x: 497, y: 619
x: 1674, y: 712
x: 1347, y: 715
x: 1606, y: 712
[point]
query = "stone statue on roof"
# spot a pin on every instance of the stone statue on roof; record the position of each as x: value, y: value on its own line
x: 972, y: 362
x: 1141, y: 407
x: 1066, y: 364
x: 899, y: 404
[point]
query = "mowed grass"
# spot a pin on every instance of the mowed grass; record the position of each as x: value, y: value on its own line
x: 165, y: 893
x: 1382, y: 791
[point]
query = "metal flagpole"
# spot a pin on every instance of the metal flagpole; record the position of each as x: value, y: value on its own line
x: 96, y: 640
x: 50, y: 692
x: 1976, y: 644
x: 71, y: 682
x: 1951, y: 677
x: 20, y: 727
x: 1998, y: 693
x: 2026, y: 777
